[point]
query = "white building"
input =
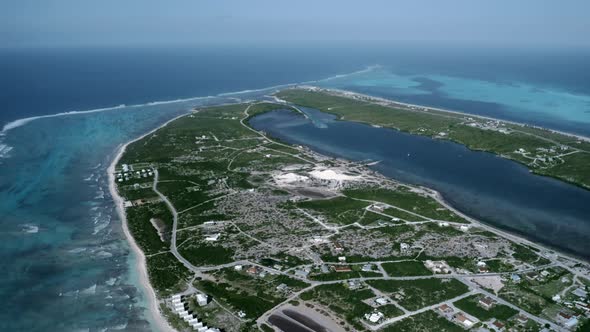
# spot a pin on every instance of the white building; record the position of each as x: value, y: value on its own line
x: 201, y: 299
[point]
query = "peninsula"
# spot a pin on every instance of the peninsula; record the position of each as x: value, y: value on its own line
x: 242, y: 232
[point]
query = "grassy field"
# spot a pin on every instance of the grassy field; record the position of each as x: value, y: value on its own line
x: 407, y: 200
x: 576, y: 168
x: 498, y: 311
x: 339, y: 210
x: 415, y: 294
x: 408, y: 268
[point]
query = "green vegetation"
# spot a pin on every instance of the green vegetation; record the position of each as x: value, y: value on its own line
x: 342, y: 301
x: 415, y: 294
x: 252, y: 294
x: 144, y: 233
x: 339, y: 210
x: 403, y: 198
x: 498, y: 311
x: 426, y: 321
x: 574, y: 169
x: 407, y: 268
x: 167, y: 275
x: 528, y: 255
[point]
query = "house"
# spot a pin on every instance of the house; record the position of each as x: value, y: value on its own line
x: 238, y: 267
x: 486, y: 302
x: 374, y: 317
x: 445, y: 309
x: 342, y: 258
x: 301, y: 273
x: 378, y: 207
x: 579, y: 292
x: 464, y: 321
x: 201, y: 299
x: 367, y: 268
x: 282, y: 288
x: 464, y: 228
x: 252, y: 270
x: 498, y: 326
x: 381, y: 301
x: 213, y: 237
x: 342, y: 268
x: 354, y: 284
x: 571, y: 323
x: 338, y: 247
x: 241, y: 314
x: 515, y: 278
x: 404, y: 247
x: 563, y: 317
x: 522, y: 319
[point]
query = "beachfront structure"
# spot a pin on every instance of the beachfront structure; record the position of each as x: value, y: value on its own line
x: 181, y: 307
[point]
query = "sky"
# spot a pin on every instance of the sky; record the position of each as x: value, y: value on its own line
x: 55, y: 23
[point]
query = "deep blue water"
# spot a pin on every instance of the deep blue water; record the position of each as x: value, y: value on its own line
x: 65, y: 263
x: 501, y: 192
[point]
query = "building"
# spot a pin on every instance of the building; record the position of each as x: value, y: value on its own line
x: 201, y: 299
x: 515, y: 278
x: 381, y: 301
x: 342, y: 259
x: 213, y: 237
x: 282, y: 288
x: 252, y: 270
x: 354, y: 284
x: 464, y: 228
x: 498, y: 326
x: 342, y: 268
x: 445, y: 309
x: 437, y: 266
x: 522, y: 319
x: 367, y: 268
x: 374, y: 317
x: 486, y: 303
x: 464, y: 321
x: 571, y: 323
x: 404, y: 247
x: 579, y: 292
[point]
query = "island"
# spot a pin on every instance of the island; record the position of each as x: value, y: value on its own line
x: 239, y: 231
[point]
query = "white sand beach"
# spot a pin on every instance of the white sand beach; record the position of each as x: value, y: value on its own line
x: 156, y: 316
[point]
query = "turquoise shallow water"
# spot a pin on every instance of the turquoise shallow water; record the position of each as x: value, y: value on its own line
x: 537, y: 104
x: 65, y: 262
x: 61, y: 240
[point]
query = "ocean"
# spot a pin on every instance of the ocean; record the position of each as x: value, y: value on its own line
x: 67, y: 265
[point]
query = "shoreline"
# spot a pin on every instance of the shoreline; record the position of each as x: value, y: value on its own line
x: 158, y: 318
x: 349, y: 94
x: 141, y: 264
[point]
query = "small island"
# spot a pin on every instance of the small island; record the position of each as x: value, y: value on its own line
x: 242, y: 232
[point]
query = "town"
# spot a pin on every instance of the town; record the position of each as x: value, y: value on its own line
x: 243, y: 232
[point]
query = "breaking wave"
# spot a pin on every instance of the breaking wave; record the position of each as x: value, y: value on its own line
x: 21, y: 122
